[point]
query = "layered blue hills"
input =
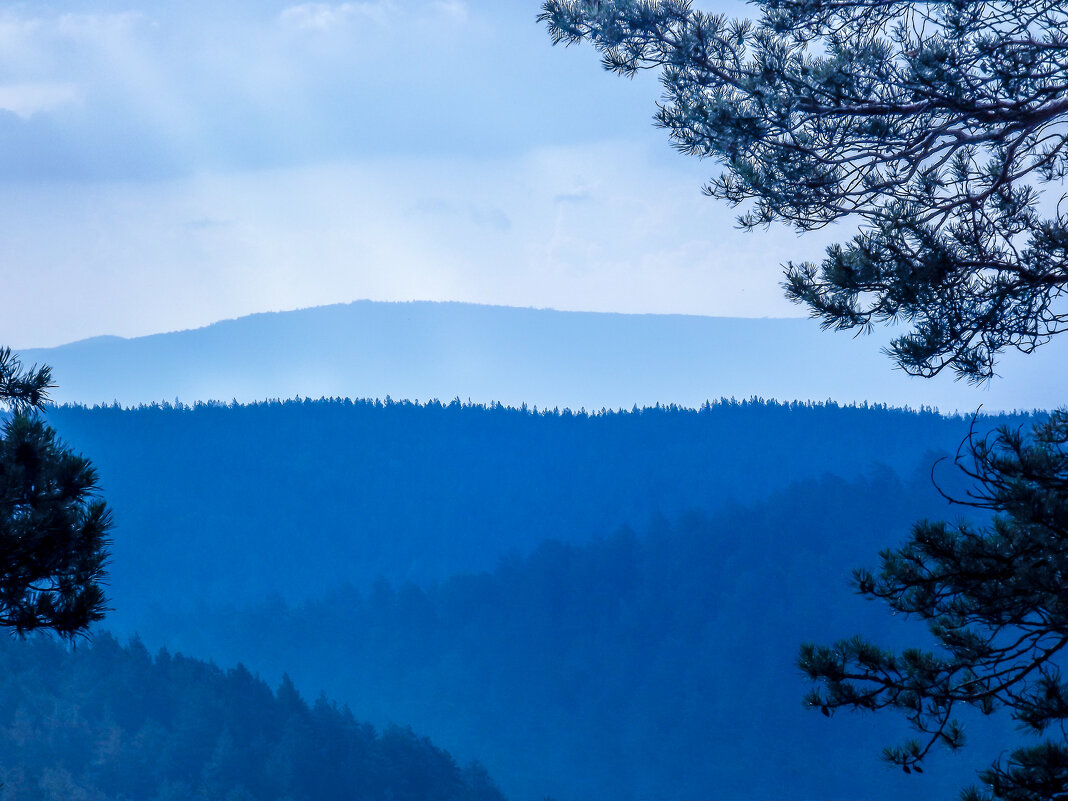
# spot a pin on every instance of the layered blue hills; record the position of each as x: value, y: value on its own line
x: 597, y: 589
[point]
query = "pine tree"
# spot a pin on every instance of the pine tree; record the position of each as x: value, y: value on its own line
x: 53, y: 528
x: 995, y: 599
x: 932, y: 123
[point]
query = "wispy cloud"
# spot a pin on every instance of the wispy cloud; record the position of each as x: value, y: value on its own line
x: 28, y: 99
x: 580, y: 195
x: 456, y: 9
x: 201, y: 85
x: 207, y: 223
x: 325, y: 17
x: 99, y: 27
x: 20, y: 23
x: 328, y: 16
x: 485, y: 216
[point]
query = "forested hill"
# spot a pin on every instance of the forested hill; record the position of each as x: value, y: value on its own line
x: 535, y: 356
x: 104, y: 722
x: 650, y: 663
x: 230, y: 503
x: 573, y: 660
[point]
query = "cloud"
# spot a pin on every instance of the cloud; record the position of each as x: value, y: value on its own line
x: 490, y: 217
x: 207, y: 223
x: 33, y: 37
x: 328, y: 16
x: 483, y: 216
x: 581, y: 195
x: 101, y: 27
x: 456, y: 9
x: 209, y: 86
x: 28, y: 99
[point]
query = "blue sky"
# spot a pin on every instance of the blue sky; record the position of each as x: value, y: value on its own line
x: 166, y: 165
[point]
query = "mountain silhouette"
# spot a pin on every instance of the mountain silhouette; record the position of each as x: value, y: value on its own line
x: 426, y: 350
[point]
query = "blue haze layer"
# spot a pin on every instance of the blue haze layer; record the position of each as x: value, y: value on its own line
x: 603, y: 607
x: 426, y: 350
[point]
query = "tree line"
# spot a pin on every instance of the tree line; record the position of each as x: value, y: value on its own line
x: 104, y: 721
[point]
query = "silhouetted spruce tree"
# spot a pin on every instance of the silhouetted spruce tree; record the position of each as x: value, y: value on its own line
x: 934, y: 124
x: 53, y: 528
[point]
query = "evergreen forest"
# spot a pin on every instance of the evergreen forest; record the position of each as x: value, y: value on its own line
x: 102, y: 722
x: 593, y: 605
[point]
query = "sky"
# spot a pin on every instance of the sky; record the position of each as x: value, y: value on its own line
x: 166, y: 165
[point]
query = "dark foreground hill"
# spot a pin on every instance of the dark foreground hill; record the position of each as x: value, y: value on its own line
x: 514, y: 356
x: 104, y: 722
x: 233, y: 503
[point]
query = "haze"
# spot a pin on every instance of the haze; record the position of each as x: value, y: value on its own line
x: 166, y: 166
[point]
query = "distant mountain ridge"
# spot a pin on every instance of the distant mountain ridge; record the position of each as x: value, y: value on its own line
x: 425, y: 350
